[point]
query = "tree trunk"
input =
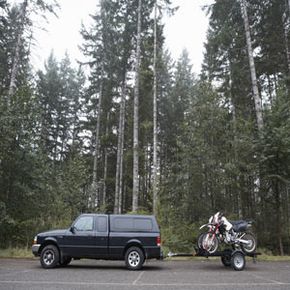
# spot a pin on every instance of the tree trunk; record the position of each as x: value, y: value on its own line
x: 119, y: 163
x: 155, y: 114
x: 15, y: 62
x: 122, y: 158
x: 287, y: 210
x: 286, y: 21
x: 136, y: 116
x: 95, y: 192
x: 257, y: 99
x: 106, y: 165
x: 278, y: 217
x: 286, y: 29
x: 237, y: 193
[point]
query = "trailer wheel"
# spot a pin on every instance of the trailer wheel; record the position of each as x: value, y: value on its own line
x: 238, y: 261
x: 226, y: 258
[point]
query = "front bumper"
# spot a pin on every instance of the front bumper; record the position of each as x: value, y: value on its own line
x: 35, y: 249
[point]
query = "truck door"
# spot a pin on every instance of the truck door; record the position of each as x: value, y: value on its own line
x: 102, y: 236
x: 81, y: 240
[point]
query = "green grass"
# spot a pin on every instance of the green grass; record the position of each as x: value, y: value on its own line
x: 272, y: 258
x: 16, y: 253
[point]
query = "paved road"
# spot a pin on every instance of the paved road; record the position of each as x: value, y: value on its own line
x: 169, y: 275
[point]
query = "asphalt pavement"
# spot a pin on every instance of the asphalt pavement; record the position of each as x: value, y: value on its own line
x: 23, y: 274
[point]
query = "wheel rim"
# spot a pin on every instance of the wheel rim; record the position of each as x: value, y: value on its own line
x: 134, y: 259
x: 48, y: 257
x: 210, y: 243
x: 239, y: 261
x: 251, y: 244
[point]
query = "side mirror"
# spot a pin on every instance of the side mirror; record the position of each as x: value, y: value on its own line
x: 72, y: 229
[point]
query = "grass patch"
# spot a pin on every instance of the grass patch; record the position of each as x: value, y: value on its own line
x: 271, y: 258
x: 16, y: 253
x: 267, y: 255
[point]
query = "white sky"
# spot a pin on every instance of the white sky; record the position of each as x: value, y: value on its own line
x: 186, y: 29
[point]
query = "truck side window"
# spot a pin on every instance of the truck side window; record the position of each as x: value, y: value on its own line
x: 85, y: 223
x: 102, y: 224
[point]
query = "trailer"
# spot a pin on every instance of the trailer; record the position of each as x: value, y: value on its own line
x: 235, y: 258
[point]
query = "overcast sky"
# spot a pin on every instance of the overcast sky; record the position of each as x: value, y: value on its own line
x: 186, y: 29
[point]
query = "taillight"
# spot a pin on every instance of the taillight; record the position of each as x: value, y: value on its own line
x: 158, y: 241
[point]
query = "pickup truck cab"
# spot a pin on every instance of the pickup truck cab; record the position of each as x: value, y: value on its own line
x: 132, y: 238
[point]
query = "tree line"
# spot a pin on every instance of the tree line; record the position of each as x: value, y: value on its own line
x: 132, y: 130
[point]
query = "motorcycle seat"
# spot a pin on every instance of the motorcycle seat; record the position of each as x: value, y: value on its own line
x: 240, y: 226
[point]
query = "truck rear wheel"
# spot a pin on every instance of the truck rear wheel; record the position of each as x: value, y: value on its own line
x: 49, y: 257
x: 134, y: 258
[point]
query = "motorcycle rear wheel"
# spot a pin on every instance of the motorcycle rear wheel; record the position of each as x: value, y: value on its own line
x: 251, y: 247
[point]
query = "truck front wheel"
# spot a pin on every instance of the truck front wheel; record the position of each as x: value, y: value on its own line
x: 65, y: 261
x: 49, y: 257
x: 134, y: 258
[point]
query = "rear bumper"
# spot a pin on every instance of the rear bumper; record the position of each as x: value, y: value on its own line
x: 35, y: 249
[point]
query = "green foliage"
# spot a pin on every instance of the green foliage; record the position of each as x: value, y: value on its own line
x: 16, y: 253
x: 210, y: 153
x: 179, y: 238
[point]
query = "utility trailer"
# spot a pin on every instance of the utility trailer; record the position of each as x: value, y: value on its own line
x: 235, y: 258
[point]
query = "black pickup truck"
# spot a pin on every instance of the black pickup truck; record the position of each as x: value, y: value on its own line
x: 132, y: 238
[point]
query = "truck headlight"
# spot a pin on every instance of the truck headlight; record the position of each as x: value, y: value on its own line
x: 35, y: 240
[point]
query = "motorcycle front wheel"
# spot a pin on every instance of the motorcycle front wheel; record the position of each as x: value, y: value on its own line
x: 200, y: 241
x: 250, y: 247
x: 210, y: 243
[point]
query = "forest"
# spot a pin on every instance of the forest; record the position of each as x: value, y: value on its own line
x: 133, y: 130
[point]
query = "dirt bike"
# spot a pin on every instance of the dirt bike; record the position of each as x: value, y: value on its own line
x: 234, y: 233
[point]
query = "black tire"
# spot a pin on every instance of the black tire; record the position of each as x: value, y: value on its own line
x: 134, y: 258
x: 49, y: 257
x: 210, y: 243
x: 200, y: 240
x: 65, y: 261
x: 238, y: 261
x: 248, y: 249
x: 226, y: 259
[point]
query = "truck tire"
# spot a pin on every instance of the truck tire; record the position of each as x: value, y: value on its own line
x: 134, y: 258
x: 49, y: 257
x: 65, y: 261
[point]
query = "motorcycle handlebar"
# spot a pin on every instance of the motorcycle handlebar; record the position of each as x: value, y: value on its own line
x: 206, y: 225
